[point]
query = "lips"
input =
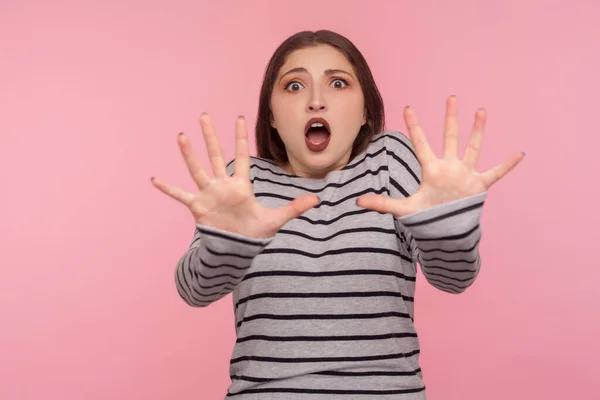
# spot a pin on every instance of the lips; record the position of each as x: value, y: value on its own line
x: 317, y: 139
x: 316, y: 120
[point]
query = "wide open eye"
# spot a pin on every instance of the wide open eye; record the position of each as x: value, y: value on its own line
x: 293, y: 86
x: 339, y: 83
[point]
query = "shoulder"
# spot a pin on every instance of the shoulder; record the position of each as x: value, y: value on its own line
x: 395, y: 143
x: 258, y: 167
x: 400, y: 157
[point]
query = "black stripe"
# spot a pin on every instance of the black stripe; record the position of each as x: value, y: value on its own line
x: 218, y: 276
x: 324, y: 359
x: 426, y: 273
x: 330, y: 295
x: 452, y: 251
x: 249, y: 378
x: 227, y: 288
x: 370, y: 373
x: 326, y: 203
x: 207, y: 265
x: 450, y: 261
x: 427, y: 267
x: 333, y: 252
x: 399, y: 187
x: 333, y: 373
x: 274, y: 196
x: 216, y: 253
x: 293, y: 317
x: 181, y: 288
x: 248, y: 241
x: 325, y: 338
x: 344, y: 215
x: 328, y: 391
x: 338, y: 233
x: 348, y: 272
x: 447, y: 215
x: 405, y: 165
x: 329, y: 185
x: 402, y: 142
x: 215, y: 285
x: 185, y: 284
x: 451, y: 237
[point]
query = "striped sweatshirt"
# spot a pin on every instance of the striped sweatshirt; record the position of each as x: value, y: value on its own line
x: 324, y: 309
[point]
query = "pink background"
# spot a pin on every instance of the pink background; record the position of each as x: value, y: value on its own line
x: 92, y: 95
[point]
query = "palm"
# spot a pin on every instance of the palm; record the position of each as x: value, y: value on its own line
x: 227, y: 202
x: 448, y: 178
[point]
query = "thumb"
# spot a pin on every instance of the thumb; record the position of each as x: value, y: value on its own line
x: 295, y: 208
x: 387, y: 205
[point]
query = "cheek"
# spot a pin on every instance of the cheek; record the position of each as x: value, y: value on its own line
x: 355, y: 111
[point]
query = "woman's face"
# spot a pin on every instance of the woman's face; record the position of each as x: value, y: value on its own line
x: 317, y: 82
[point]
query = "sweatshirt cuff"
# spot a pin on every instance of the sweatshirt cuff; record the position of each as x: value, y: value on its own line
x: 452, y: 218
x: 223, y: 242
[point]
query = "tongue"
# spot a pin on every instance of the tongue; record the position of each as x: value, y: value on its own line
x: 317, y: 135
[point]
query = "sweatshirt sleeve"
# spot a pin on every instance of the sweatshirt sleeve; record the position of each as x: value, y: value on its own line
x: 443, y: 239
x: 215, y: 262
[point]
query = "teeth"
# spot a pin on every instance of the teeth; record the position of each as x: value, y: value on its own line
x: 317, y: 125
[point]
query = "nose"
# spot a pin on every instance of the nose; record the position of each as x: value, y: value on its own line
x: 316, y: 102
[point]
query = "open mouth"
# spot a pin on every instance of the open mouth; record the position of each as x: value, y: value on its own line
x: 317, y: 134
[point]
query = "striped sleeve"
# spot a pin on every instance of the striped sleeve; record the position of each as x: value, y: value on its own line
x: 214, y: 264
x: 444, y: 239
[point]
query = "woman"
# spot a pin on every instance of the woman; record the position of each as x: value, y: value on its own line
x: 318, y: 237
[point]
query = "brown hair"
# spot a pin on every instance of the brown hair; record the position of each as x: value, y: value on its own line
x: 268, y: 143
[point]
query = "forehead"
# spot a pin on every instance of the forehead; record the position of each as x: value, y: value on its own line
x: 316, y: 59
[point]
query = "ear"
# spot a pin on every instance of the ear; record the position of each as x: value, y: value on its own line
x: 271, y: 120
x: 364, y: 120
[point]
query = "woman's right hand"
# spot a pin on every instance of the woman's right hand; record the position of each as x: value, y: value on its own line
x: 227, y: 202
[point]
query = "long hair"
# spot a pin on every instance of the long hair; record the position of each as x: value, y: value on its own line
x: 268, y: 142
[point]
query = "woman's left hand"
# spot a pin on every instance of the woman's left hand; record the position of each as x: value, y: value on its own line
x: 443, y: 179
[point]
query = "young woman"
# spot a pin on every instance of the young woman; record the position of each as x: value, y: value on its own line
x: 319, y: 236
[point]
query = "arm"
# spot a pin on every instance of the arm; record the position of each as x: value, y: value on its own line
x: 214, y: 265
x: 443, y: 239
x: 232, y: 227
x: 440, y: 212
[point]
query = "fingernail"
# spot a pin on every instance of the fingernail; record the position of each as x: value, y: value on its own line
x: 180, y: 133
x: 152, y: 179
x: 240, y: 116
x: 407, y: 107
x: 203, y: 114
x: 523, y: 153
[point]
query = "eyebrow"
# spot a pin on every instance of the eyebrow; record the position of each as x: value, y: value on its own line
x: 328, y: 72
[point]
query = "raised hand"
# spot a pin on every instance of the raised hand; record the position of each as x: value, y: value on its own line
x: 448, y: 178
x: 227, y: 202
